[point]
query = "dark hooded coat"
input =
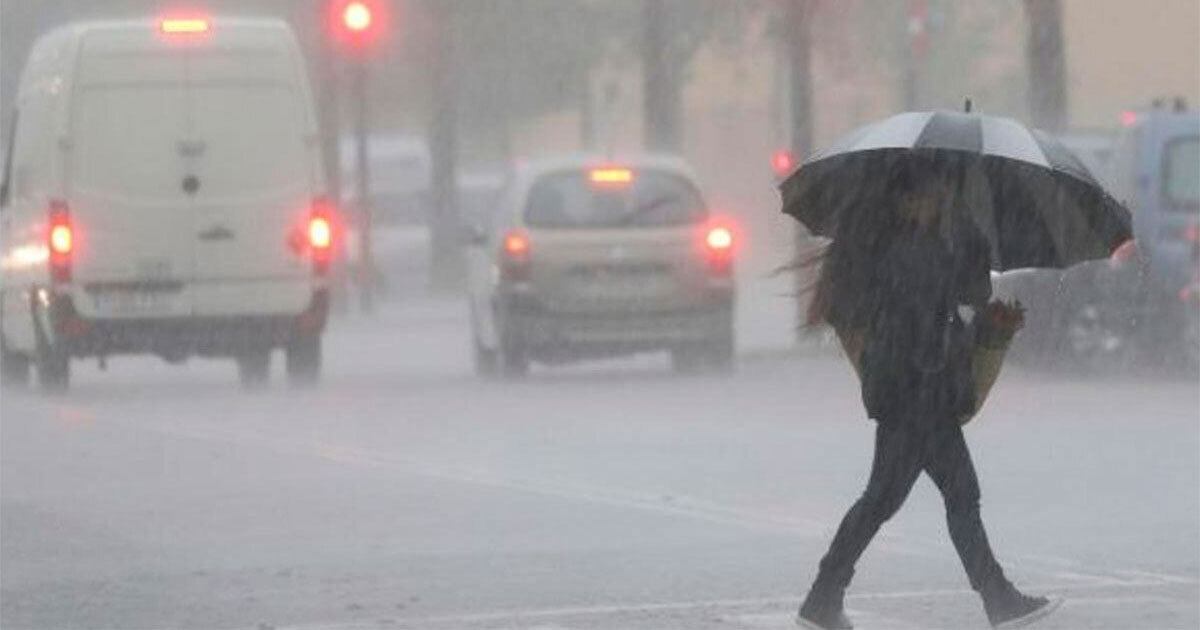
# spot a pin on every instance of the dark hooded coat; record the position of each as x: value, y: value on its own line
x: 916, y: 362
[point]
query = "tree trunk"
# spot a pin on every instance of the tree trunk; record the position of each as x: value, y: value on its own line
x: 663, y: 86
x: 1047, y: 65
x: 797, y: 16
x: 447, y: 266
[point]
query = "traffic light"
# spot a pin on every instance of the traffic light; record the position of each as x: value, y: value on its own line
x: 357, y: 24
x: 782, y: 163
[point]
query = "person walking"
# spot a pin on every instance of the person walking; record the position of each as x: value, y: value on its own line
x: 901, y: 302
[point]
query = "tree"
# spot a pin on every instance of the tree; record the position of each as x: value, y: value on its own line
x: 672, y: 31
x: 1047, y: 64
x: 447, y: 266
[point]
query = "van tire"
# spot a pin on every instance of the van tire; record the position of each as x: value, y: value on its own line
x: 53, y: 370
x: 254, y: 369
x: 303, y: 360
x: 721, y: 354
x: 515, y: 363
x: 716, y: 356
x: 14, y: 368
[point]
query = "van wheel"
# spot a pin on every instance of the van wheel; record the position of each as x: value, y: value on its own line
x: 714, y: 356
x: 687, y: 359
x: 303, y: 360
x: 721, y: 354
x: 14, y: 368
x: 254, y: 369
x: 53, y: 370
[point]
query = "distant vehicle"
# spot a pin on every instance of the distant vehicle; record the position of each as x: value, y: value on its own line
x: 1138, y: 303
x: 400, y: 173
x: 586, y: 258
x: 1093, y: 147
x: 1041, y: 290
x: 163, y: 194
x: 400, y: 178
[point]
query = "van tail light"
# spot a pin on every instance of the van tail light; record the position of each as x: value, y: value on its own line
x: 321, y: 235
x: 514, y: 254
x: 60, y: 241
x: 718, y: 247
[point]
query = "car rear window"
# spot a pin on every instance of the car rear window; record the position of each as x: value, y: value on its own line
x: 1181, y: 176
x: 649, y: 199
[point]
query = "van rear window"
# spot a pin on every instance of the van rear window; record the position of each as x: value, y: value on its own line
x: 650, y: 198
x: 124, y: 140
x: 142, y: 140
x: 1181, y: 176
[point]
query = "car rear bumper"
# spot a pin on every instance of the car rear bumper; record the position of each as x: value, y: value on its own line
x: 551, y: 335
x: 180, y: 337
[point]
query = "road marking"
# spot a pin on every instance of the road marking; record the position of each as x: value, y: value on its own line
x: 1081, y: 577
x: 732, y: 605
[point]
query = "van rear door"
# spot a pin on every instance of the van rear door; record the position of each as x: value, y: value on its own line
x: 132, y: 220
x: 253, y: 168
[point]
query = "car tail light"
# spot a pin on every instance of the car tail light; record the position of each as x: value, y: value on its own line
x: 514, y: 251
x: 719, y: 241
x: 321, y: 235
x: 61, y: 241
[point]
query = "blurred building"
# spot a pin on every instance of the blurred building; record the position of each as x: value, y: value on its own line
x: 1121, y: 55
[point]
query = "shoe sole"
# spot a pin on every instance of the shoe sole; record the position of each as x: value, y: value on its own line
x: 1021, y: 622
x: 808, y: 625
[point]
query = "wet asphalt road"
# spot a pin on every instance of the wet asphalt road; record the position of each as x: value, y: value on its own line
x: 406, y: 493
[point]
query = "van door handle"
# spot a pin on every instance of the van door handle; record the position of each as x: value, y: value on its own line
x: 216, y: 233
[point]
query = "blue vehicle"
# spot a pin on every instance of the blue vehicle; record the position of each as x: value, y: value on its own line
x: 1141, y: 303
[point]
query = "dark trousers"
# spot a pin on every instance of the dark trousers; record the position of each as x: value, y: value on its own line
x: 902, y: 451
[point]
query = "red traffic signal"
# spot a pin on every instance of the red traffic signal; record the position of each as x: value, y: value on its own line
x: 356, y: 17
x: 782, y: 162
x: 357, y: 24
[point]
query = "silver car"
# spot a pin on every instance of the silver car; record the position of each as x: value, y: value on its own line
x: 588, y: 257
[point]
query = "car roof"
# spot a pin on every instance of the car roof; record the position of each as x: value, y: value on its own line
x: 85, y: 27
x: 528, y: 171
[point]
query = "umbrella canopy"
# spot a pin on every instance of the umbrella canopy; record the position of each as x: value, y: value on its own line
x: 1033, y: 200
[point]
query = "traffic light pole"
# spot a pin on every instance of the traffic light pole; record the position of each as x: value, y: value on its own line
x: 362, y: 164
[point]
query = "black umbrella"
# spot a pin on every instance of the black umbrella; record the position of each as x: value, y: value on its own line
x: 1036, y: 203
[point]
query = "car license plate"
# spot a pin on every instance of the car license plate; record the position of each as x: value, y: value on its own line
x: 131, y: 301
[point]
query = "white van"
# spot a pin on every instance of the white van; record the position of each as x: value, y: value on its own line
x: 163, y: 193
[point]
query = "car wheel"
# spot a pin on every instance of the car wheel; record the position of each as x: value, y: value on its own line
x: 486, y: 360
x: 513, y: 356
x: 303, y: 360
x: 53, y: 370
x: 14, y: 368
x: 514, y: 360
x: 254, y: 369
x: 1190, y: 342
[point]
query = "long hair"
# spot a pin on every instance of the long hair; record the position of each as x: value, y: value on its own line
x: 846, y: 266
